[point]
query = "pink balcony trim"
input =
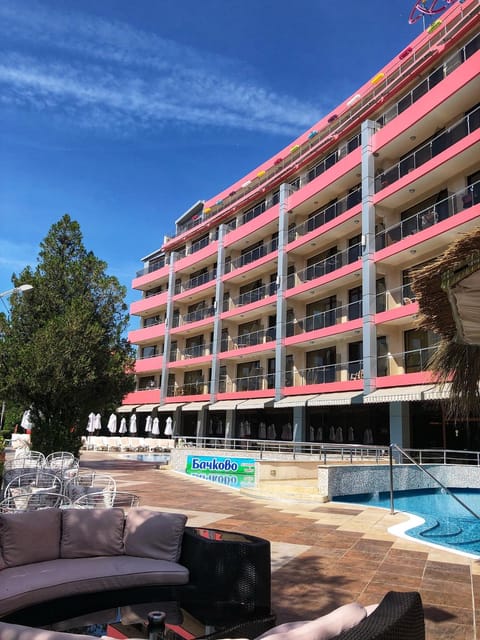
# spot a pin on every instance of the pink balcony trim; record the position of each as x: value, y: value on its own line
x: 146, y: 333
x: 148, y: 278
x: 247, y: 351
x: 149, y: 304
x: 335, y: 172
x: 246, y: 395
x: 245, y: 230
x: 405, y: 379
x: 252, y: 265
x: 206, y: 252
x: 398, y: 312
x: 408, y: 242
x: 148, y: 396
x: 326, y: 387
x: 190, y: 398
x: 269, y: 300
x: 328, y: 277
x: 334, y: 330
x: 180, y: 364
x: 198, y: 324
x: 328, y: 226
x: 149, y: 364
x: 202, y: 287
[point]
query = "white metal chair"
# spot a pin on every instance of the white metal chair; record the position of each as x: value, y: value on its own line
x: 87, y: 483
x: 29, y: 480
x: 41, y: 499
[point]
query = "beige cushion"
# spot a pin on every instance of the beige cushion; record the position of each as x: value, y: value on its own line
x: 92, y: 532
x: 153, y: 534
x: 323, y: 628
x: 30, y: 536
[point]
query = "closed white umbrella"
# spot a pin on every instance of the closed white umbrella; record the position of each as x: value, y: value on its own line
x: 132, y: 427
x: 112, y: 423
x: 123, y: 426
x: 98, y: 422
x: 156, y: 427
x: 91, y: 422
x: 148, y: 424
x: 26, y: 422
x: 168, y: 427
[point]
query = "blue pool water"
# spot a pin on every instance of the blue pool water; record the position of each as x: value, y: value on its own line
x: 447, y: 523
x: 159, y: 458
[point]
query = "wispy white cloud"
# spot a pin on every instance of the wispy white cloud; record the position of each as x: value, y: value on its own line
x: 107, y: 74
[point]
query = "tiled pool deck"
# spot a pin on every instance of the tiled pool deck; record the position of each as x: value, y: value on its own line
x: 323, y: 555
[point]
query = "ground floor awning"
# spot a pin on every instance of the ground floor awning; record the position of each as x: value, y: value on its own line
x: 292, y: 401
x: 255, y: 403
x: 224, y: 405
x: 143, y: 408
x: 336, y: 399
x: 194, y: 406
x: 126, y: 408
x: 171, y: 406
x: 438, y: 392
x: 398, y: 394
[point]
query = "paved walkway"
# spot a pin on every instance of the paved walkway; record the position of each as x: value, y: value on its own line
x: 323, y: 555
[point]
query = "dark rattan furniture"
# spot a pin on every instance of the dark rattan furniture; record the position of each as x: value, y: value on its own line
x: 399, y: 616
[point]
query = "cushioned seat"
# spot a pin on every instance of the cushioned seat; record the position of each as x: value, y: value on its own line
x: 30, y: 584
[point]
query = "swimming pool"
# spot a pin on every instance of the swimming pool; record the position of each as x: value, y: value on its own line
x: 158, y: 458
x: 440, y: 521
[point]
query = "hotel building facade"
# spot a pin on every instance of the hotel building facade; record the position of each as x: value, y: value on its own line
x: 282, y: 307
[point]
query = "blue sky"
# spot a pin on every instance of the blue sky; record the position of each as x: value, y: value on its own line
x: 124, y: 114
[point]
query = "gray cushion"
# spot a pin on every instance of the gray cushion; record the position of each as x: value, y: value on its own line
x: 21, y: 587
x: 154, y: 534
x: 91, y: 532
x: 30, y: 536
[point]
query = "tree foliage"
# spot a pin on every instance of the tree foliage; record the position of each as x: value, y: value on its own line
x: 64, y: 353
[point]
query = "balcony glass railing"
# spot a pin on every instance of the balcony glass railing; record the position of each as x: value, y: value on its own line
x: 196, y: 351
x: 351, y: 370
x: 199, y: 314
x: 327, y: 265
x: 412, y: 361
x: 154, y: 265
x: 197, y: 281
x: 330, y: 212
x: 393, y: 298
x: 434, y: 147
x: 253, y: 255
x: 254, y: 338
x: 254, y: 295
x: 151, y: 322
x: 429, y: 216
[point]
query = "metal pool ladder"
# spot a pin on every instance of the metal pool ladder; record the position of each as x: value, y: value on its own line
x: 440, y: 484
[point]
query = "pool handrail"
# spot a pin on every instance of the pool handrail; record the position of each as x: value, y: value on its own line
x: 404, y: 453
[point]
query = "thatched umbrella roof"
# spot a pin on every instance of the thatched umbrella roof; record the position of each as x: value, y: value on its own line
x: 448, y: 294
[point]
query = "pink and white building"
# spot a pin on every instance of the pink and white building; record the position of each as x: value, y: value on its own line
x: 282, y: 307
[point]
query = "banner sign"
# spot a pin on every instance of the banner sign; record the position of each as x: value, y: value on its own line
x: 220, y: 464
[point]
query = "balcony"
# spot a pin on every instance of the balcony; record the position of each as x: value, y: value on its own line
x: 394, y: 298
x: 430, y: 216
x: 414, y: 361
x: 327, y: 265
x: 339, y: 372
x: 446, y: 139
x: 328, y: 213
x: 198, y: 388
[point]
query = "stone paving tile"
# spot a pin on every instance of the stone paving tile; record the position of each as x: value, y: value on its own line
x: 323, y: 556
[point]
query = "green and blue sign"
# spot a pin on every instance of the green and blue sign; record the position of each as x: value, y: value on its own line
x: 234, y: 472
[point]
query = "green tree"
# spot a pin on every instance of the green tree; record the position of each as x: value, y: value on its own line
x: 64, y: 353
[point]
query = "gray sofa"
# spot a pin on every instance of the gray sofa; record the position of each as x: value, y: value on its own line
x: 54, y: 553
x: 80, y: 560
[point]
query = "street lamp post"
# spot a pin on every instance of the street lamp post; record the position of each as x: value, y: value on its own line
x: 20, y: 289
